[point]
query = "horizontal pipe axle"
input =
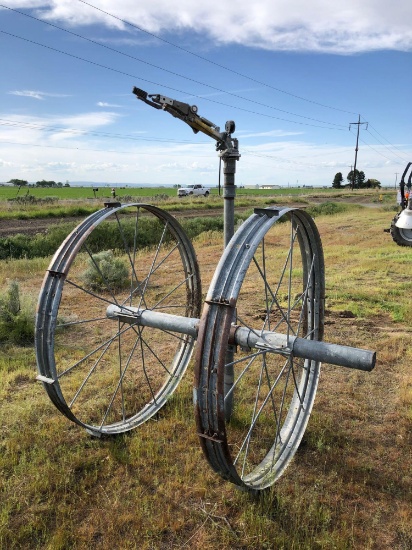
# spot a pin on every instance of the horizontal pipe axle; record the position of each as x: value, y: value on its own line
x: 273, y: 342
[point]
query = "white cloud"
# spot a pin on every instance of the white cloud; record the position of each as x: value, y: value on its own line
x: 35, y: 94
x: 53, y: 130
x: 58, y: 166
x: 282, y: 25
x: 104, y: 104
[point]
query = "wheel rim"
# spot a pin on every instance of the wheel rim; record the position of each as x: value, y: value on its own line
x: 273, y: 393
x: 103, y: 374
x: 406, y: 234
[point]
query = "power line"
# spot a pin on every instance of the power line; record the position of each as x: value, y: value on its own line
x: 94, y: 150
x: 245, y: 152
x: 213, y: 62
x: 163, y: 85
x: 386, y: 146
x: 95, y: 42
x: 376, y: 151
x: 379, y: 152
x: 190, y: 79
x: 391, y: 144
x: 218, y: 64
x: 32, y: 126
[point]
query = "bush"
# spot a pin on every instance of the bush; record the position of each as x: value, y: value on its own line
x: 327, y: 209
x: 105, y: 270
x: 16, y: 322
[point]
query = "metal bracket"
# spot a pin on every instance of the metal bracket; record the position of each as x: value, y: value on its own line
x: 286, y: 351
x: 45, y: 379
x: 269, y: 212
x: 211, y: 438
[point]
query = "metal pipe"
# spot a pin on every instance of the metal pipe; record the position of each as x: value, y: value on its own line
x: 273, y: 342
x: 154, y: 319
x: 342, y: 356
x: 229, y: 193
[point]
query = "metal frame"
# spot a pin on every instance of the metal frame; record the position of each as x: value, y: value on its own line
x: 217, y: 331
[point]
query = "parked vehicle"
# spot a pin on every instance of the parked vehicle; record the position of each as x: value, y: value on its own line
x: 193, y: 190
x: 401, y: 225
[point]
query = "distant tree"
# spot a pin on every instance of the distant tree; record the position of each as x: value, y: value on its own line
x: 372, y: 183
x: 67, y: 184
x: 44, y: 183
x: 337, y: 181
x: 18, y: 182
x: 356, y: 179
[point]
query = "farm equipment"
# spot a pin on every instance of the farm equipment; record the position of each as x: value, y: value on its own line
x: 111, y: 351
x: 401, y: 225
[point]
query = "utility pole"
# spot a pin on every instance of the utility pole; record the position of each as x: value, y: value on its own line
x: 396, y: 178
x: 358, y: 124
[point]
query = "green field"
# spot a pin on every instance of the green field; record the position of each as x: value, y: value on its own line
x: 72, y: 193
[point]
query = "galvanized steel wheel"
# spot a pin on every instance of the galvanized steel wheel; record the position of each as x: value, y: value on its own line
x: 270, y: 278
x: 102, y: 373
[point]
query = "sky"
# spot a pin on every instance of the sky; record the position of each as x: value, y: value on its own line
x: 295, y: 77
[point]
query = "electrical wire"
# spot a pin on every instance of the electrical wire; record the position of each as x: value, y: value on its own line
x: 386, y: 147
x: 169, y: 71
x: 163, y: 85
x: 213, y: 62
x: 338, y: 126
x: 94, y: 150
x: 376, y: 151
x: 32, y: 126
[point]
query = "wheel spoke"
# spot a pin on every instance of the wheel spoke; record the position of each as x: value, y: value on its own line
x: 147, y: 278
x: 257, y: 415
x: 90, y: 354
x: 144, y: 365
x: 99, y: 271
x: 154, y: 353
x: 172, y: 291
x: 252, y: 357
x: 151, y: 273
x: 82, y: 322
x: 122, y: 374
x: 91, y: 371
x: 126, y: 246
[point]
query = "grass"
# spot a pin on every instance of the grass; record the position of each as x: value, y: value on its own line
x: 349, y: 486
x: 80, y: 201
x: 40, y: 245
x: 74, y: 193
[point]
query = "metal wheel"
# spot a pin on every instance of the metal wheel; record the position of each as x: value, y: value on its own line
x: 102, y: 372
x: 269, y: 280
x: 402, y: 237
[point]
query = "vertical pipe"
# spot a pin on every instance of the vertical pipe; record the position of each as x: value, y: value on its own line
x: 229, y: 193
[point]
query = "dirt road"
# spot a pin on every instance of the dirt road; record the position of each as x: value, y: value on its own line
x: 33, y: 226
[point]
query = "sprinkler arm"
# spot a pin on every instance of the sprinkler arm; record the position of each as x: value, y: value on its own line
x: 188, y: 113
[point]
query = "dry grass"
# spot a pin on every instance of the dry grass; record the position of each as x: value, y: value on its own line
x: 349, y: 486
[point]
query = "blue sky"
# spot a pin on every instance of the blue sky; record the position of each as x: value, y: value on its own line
x: 293, y: 75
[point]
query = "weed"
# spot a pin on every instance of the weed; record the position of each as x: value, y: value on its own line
x: 16, y: 322
x: 105, y: 271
